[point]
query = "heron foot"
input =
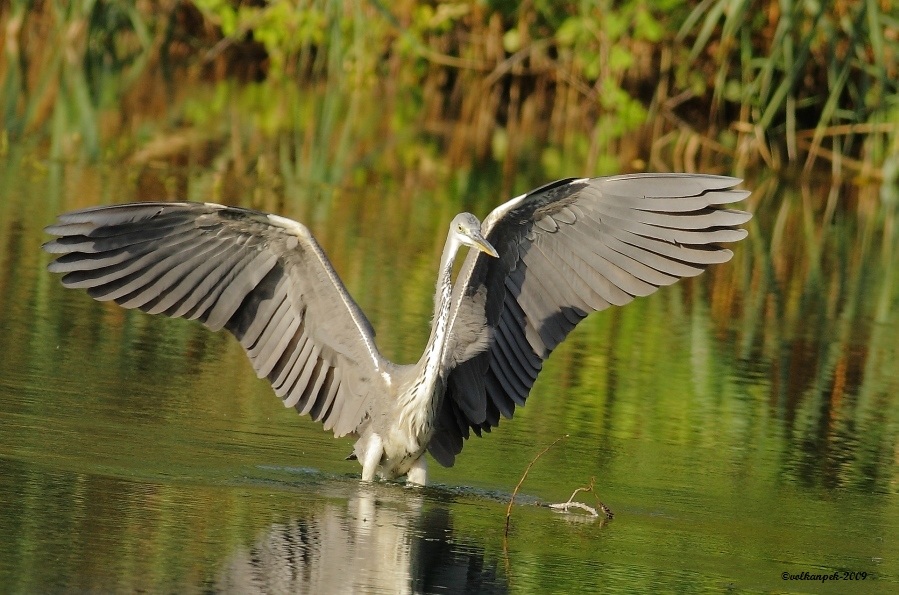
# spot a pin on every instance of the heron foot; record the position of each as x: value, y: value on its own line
x: 418, y: 473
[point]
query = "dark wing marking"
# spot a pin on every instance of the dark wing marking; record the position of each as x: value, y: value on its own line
x: 262, y: 277
x: 568, y: 249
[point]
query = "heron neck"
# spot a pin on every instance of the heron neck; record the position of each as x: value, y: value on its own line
x: 433, y: 356
x: 420, y: 399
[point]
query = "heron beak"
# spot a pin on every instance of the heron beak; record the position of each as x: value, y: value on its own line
x: 484, y: 246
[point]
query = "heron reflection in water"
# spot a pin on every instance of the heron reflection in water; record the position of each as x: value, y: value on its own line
x: 540, y: 263
x: 363, y: 539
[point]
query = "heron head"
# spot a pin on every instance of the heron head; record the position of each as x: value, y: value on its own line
x: 466, y: 229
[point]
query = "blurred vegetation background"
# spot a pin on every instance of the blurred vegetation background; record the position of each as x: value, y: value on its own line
x: 428, y: 92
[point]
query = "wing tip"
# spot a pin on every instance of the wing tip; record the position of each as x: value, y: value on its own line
x: 54, y: 247
x: 726, y: 196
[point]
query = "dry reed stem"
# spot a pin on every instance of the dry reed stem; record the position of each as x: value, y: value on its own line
x: 816, y: 151
x: 867, y: 128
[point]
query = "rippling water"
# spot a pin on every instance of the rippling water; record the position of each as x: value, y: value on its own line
x: 741, y: 426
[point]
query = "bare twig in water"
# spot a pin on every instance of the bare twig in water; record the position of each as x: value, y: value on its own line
x: 521, y: 481
x: 565, y: 506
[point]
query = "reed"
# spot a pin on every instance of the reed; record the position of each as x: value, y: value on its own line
x: 65, y: 63
x: 606, y: 85
x: 799, y: 82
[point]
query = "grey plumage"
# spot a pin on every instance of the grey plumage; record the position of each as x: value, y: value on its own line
x: 543, y: 261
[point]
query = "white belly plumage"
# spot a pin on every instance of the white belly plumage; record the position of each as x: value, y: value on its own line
x: 411, y: 429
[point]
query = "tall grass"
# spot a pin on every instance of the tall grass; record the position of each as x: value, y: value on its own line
x: 801, y: 81
x: 592, y: 86
x: 65, y: 62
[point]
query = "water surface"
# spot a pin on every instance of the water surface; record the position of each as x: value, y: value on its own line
x: 740, y: 425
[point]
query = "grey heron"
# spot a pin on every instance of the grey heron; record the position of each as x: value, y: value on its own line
x: 541, y: 263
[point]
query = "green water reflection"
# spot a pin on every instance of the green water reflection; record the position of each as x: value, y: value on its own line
x: 740, y: 425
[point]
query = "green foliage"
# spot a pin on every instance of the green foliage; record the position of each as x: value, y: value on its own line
x: 91, y: 51
x: 285, y: 28
x: 828, y: 67
x: 554, y: 83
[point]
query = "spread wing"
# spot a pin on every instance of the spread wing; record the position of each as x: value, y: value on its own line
x: 262, y: 277
x: 567, y: 249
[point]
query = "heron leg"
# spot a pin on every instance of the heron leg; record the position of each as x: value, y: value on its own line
x: 418, y: 473
x: 371, y: 456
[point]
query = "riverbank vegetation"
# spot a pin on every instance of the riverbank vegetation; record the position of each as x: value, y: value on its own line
x: 441, y: 88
